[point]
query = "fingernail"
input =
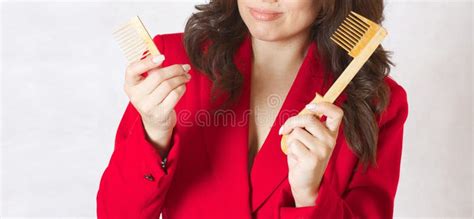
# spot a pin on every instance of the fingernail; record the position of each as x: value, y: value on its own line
x: 188, y: 76
x: 311, y: 106
x: 158, y: 59
x: 280, y: 130
x: 186, y: 67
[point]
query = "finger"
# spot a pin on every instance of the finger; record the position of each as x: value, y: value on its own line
x: 308, y: 122
x: 296, y: 150
x: 176, y: 68
x: 333, y: 113
x: 165, y: 89
x: 156, y: 76
x: 172, y: 99
x: 311, y: 142
x: 135, y: 69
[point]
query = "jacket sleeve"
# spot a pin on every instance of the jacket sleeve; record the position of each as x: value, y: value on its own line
x: 369, y: 194
x: 135, y: 182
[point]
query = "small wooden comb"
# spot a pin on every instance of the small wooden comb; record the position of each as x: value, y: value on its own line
x: 360, y: 37
x: 135, y: 41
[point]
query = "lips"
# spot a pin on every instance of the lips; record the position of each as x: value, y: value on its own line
x: 264, y: 15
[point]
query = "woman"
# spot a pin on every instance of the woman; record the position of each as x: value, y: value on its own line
x: 193, y: 144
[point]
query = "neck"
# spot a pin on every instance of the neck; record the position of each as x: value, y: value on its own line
x: 288, y: 53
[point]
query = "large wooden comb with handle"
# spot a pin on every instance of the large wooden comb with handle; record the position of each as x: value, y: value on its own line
x: 360, y: 37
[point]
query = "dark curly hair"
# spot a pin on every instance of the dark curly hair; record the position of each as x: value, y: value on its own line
x: 214, y: 33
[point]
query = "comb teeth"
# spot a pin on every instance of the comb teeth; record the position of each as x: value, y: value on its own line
x: 134, y: 40
x: 351, y: 33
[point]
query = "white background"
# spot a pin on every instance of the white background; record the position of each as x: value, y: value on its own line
x: 62, y: 99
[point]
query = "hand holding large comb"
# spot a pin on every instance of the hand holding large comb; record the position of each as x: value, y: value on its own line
x: 310, y: 145
x: 306, y: 140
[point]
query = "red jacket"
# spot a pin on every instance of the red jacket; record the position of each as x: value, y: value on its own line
x: 206, y: 174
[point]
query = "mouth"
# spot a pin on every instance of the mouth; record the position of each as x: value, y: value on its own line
x: 264, y: 15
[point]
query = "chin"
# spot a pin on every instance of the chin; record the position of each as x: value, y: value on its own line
x: 266, y: 34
